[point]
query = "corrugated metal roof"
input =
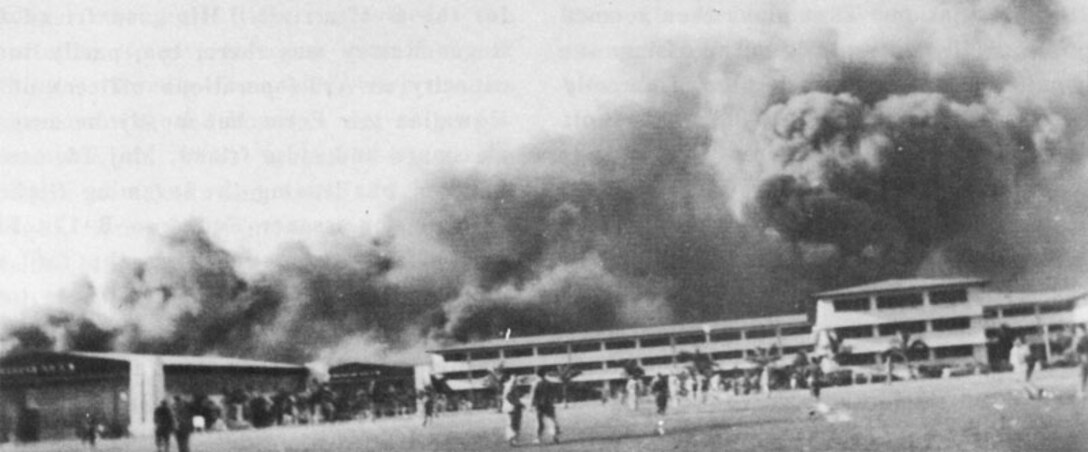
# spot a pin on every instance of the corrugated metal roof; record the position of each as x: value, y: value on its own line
x: 194, y: 361
x: 895, y: 285
x: 628, y: 333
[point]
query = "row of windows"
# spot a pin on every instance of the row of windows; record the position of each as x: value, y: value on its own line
x: 1056, y: 328
x: 1020, y: 311
x: 621, y: 344
x: 954, y: 351
x: 891, y: 329
x: 897, y: 301
x: 619, y: 364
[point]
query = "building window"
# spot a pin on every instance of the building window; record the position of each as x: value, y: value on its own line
x: 906, y: 300
x: 957, y: 351
x: 891, y: 329
x: 854, y: 332
x: 690, y: 339
x: 619, y: 345
x: 731, y: 354
x: 797, y: 330
x: 618, y: 364
x: 585, y: 347
x: 586, y: 366
x: 857, y: 359
x: 1064, y: 306
x: 517, y: 352
x: 455, y: 375
x: 1056, y: 328
x: 520, y: 371
x: 723, y: 336
x: 485, y: 354
x: 657, y: 361
x: 662, y: 341
x: 954, y: 323
x: 948, y: 296
x: 851, y: 304
x: 989, y: 313
x: 760, y: 334
x: 551, y: 349
x: 1018, y: 311
x: 455, y: 357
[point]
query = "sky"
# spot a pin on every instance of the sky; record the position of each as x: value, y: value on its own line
x: 272, y: 122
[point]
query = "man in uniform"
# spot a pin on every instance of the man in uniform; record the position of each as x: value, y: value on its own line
x: 543, y: 399
x: 164, y: 426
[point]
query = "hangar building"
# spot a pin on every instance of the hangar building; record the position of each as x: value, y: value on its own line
x: 44, y: 395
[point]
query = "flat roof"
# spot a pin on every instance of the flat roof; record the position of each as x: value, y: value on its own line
x: 1012, y: 298
x: 191, y: 361
x: 896, y: 285
x: 627, y: 333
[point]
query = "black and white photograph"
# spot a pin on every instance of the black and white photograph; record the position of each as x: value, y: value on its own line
x: 564, y: 225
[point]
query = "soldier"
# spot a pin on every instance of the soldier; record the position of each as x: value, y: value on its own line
x: 660, y: 388
x: 184, y: 419
x: 512, y: 406
x: 164, y: 426
x: 543, y: 399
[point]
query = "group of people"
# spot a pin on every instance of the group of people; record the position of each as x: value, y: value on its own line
x: 173, y: 420
x: 543, y: 394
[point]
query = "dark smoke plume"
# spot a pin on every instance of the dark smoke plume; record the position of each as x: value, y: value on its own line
x: 937, y: 139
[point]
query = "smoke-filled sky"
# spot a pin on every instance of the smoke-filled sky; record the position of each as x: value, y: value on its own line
x: 362, y: 181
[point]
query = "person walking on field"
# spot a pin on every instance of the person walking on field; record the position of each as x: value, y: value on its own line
x: 543, y: 397
x: 428, y: 405
x: 512, y: 406
x: 184, y: 415
x: 660, y: 388
x: 164, y: 426
x: 1080, y: 347
x: 1023, y: 366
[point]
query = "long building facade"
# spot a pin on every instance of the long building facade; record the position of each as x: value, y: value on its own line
x: 602, y: 355
x: 957, y: 318
x: 44, y: 395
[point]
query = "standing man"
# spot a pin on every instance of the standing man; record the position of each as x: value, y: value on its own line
x: 184, y: 414
x: 89, y: 430
x: 1080, y: 347
x: 512, y: 406
x: 164, y: 426
x: 632, y: 390
x: 1023, y: 365
x: 543, y: 397
x: 660, y: 388
x: 428, y: 404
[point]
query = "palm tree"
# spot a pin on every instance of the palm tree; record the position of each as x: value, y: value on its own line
x: 904, y: 348
x: 632, y: 369
x: 567, y: 373
x: 701, y: 363
x: 764, y: 358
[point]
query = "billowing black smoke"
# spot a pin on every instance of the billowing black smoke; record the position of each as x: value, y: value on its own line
x: 751, y: 175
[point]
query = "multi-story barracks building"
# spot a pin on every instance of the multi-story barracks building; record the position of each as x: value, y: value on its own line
x: 601, y: 355
x: 957, y: 319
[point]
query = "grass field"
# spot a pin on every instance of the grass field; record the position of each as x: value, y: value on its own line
x: 977, y: 413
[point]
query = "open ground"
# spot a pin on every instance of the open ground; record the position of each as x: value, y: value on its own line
x: 975, y: 413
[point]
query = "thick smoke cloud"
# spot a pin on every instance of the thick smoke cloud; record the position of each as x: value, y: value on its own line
x: 753, y: 173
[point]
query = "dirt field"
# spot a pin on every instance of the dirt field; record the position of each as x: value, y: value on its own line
x: 961, y: 414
